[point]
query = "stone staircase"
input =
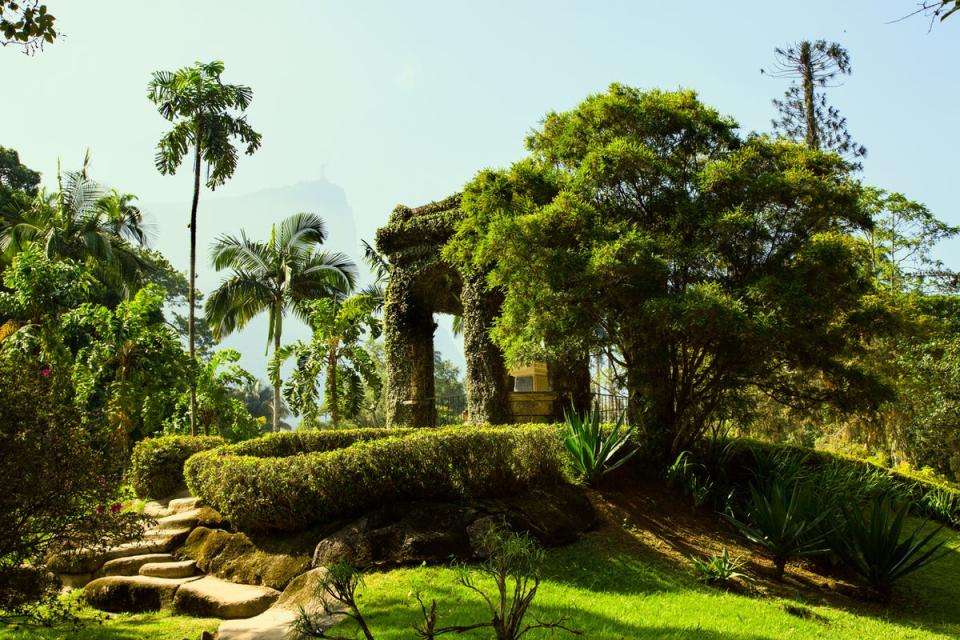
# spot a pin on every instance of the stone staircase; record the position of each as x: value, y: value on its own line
x: 147, y: 575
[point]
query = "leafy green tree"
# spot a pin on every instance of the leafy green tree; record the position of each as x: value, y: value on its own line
x: 83, y: 222
x: 337, y: 354
x: 901, y: 242
x: 276, y: 276
x: 449, y: 389
x: 207, y: 117
x: 27, y: 24
x: 15, y: 176
x: 219, y: 409
x: 805, y: 115
x: 711, y: 263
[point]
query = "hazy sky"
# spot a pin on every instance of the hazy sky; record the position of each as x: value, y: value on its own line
x: 402, y: 102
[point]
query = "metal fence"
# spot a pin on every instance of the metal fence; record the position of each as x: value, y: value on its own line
x: 451, y: 409
x: 611, y: 406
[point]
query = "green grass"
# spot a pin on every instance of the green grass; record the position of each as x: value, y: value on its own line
x: 612, y: 593
x: 611, y: 587
x: 160, y: 625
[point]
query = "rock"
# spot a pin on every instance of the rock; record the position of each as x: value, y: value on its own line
x: 234, y: 556
x: 276, y: 623
x: 400, y: 534
x: 74, y: 580
x: 160, y: 508
x: 180, y: 505
x: 132, y: 593
x: 130, y: 565
x: 180, y: 569
x: 202, y: 516
x: 415, y: 532
x: 215, y: 598
x: 272, y: 624
x: 152, y: 542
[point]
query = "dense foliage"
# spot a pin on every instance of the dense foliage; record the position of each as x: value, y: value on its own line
x: 59, y: 476
x: 294, y: 492
x: 712, y: 264
x: 156, y: 464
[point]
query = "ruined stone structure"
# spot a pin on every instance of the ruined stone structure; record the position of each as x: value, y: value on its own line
x: 421, y: 284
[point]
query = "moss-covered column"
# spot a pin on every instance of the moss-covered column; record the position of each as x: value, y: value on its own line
x: 408, y: 328
x: 487, y: 389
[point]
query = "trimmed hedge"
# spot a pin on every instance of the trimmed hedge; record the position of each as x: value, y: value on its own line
x: 156, y: 465
x: 281, y: 445
x: 940, y: 501
x: 295, y: 492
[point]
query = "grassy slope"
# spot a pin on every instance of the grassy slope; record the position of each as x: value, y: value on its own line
x: 610, y: 592
x: 155, y: 626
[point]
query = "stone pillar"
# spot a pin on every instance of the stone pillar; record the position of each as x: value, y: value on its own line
x: 408, y: 328
x: 487, y: 389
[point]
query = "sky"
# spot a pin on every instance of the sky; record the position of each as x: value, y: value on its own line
x: 371, y: 104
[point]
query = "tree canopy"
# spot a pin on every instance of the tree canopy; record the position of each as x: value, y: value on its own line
x: 712, y: 262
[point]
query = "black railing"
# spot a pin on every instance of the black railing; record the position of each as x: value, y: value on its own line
x: 451, y: 409
x: 611, y: 406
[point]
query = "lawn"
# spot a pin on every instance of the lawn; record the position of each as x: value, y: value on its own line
x: 623, y: 582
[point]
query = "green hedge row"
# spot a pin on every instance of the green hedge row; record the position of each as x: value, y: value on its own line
x: 156, y: 465
x: 938, y: 500
x: 281, y: 445
x: 295, y: 492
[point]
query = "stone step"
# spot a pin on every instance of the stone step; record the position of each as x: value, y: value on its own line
x: 276, y: 623
x: 130, y: 565
x: 211, y: 597
x: 132, y: 594
x: 152, y: 542
x: 179, y: 505
x: 177, y: 569
x: 191, y: 518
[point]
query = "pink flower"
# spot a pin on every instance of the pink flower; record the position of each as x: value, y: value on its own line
x: 100, y: 509
x: 115, y: 507
x: 45, y: 371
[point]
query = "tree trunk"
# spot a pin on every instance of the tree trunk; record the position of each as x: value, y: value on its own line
x: 278, y: 323
x: 806, y: 69
x: 333, y: 402
x: 192, y: 292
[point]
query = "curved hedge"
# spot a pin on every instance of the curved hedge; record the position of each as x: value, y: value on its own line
x: 281, y: 445
x: 294, y: 492
x: 156, y: 465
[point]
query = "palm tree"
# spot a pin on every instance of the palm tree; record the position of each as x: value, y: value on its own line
x: 257, y: 397
x: 276, y: 276
x: 203, y: 110
x: 83, y: 222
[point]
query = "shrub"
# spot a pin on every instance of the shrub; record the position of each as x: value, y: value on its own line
x: 281, y: 445
x: 59, y: 473
x: 780, y: 518
x: 293, y: 492
x: 156, y: 466
x: 874, y: 546
x: 718, y: 570
x: 594, y: 450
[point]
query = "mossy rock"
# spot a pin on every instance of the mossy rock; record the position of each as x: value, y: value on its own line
x: 236, y: 557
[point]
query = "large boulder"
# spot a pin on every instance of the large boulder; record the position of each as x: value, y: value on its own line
x: 132, y: 593
x: 211, y: 597
x: 130, y: 565
x: 416, y: 532
x: 238, y: 558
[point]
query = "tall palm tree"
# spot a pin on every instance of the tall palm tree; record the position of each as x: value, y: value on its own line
x: 276, y: 276
x: 83, y: 222
x: 207, y: 116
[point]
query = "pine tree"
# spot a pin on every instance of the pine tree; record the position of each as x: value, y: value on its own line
x: 804, y: 112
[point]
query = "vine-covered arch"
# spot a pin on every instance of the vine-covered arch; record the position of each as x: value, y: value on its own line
x: 421, y: 284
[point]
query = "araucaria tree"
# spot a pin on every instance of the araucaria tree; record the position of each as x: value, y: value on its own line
x: 805, y: 114
x: 712, y: 264
x: 207, y: 116
x: 276, y: 276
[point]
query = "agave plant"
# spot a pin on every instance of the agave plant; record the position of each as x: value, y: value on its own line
x: 874, y: 545
x: 780, y: 518
x: 594, y: 450
x: 718, y: 570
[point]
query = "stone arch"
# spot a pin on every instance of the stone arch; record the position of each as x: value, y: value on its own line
x: 421, y: 284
